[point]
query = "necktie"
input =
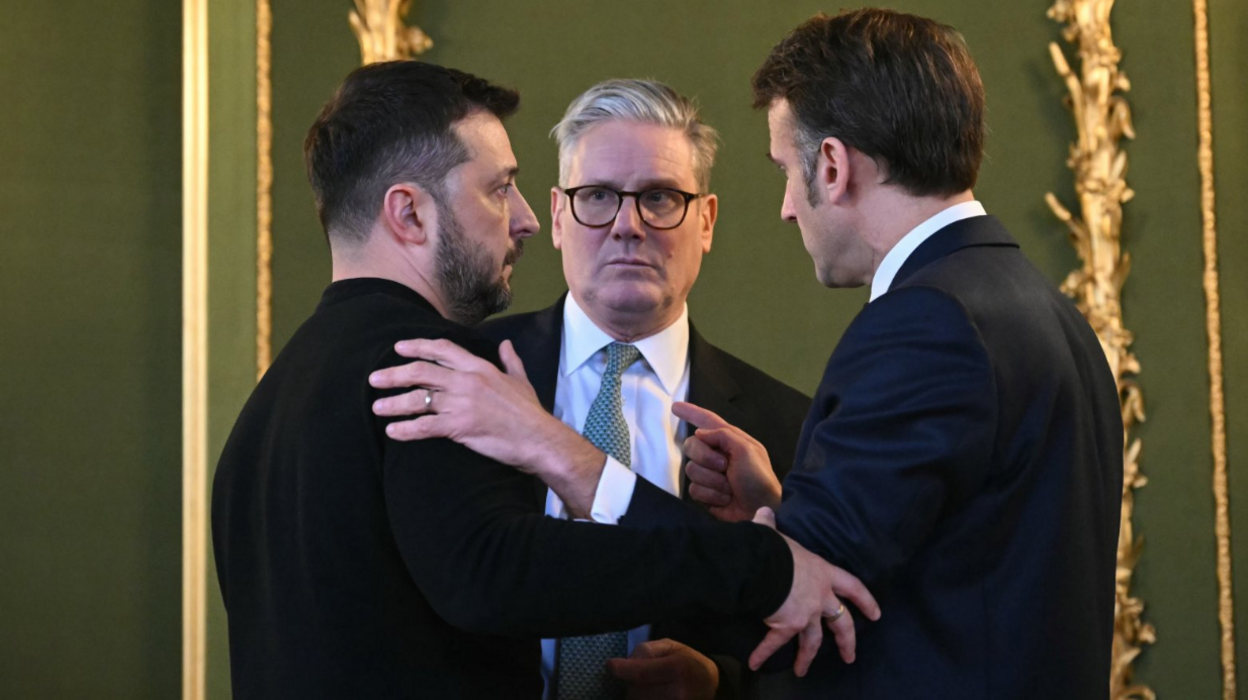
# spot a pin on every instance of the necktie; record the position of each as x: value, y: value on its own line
x: 582, y: 666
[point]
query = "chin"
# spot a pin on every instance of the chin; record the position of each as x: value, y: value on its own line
x: 630, y: 298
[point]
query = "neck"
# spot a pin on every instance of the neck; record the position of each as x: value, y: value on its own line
x: 630, y: 327
x: 365, y: 260
x: 892, y: 214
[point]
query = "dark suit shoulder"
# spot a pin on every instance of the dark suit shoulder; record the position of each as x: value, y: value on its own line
x: 507, y: 327
x: 532, y: 329
x: 755, y: 381
x: 749, y: 398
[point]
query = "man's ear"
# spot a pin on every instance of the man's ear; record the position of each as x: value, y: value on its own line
x: 708, y: 213
x: 833, y: 170
x: 409, y: 213
x: 557, y: 202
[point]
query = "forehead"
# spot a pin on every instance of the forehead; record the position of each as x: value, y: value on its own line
x: 780, y: 126
x: 486, y: 140
x: 625, y: 154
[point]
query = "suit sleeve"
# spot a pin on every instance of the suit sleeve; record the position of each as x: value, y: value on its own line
x: 475, y: 543
x: 901, y: 430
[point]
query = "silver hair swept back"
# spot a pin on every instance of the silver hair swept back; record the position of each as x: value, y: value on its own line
x: 643, y: 102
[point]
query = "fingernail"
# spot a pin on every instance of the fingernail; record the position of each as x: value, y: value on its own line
x: 374, y: 378
x: 391, y: 430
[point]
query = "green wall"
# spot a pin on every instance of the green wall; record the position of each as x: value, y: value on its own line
x: 1229, y: 57
x: 90, y: 265
x: 90, y: 237
x: 757, y: 296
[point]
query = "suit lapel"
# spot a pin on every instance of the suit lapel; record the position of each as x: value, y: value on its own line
x: 711, y: 386
x: 539, y: 345
x: 975, y: 231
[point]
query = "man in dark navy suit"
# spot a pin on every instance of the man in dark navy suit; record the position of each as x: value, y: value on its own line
x: 963, y: 455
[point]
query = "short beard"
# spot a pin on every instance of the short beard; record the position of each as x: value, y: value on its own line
x: 473, y: 288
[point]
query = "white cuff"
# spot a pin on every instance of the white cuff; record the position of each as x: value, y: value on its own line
x: 614, y: 494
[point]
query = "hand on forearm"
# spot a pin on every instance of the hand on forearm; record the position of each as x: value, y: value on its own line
x: 813, y: 600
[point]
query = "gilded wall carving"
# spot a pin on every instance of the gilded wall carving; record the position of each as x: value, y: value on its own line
x: 1102, y: 119
x: 379, y: 27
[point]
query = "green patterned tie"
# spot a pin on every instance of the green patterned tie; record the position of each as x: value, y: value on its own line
x: 582, y: 661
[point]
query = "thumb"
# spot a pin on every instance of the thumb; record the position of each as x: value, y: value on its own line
x: 653, y: 649
x: 639, y: 671
x: 765, y: 516
x: 511, y: 360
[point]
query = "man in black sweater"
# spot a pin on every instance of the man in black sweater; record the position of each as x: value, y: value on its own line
x: 356, y: 566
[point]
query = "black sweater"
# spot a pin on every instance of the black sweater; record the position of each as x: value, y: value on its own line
x: 355, y: 566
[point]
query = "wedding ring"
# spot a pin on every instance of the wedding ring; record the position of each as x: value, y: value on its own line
x: 837, y: 615
x: 428, y: 399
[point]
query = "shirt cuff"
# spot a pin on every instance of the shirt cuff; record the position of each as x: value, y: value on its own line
x: 615, y: 492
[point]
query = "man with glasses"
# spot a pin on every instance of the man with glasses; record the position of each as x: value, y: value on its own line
x: 633, y: 217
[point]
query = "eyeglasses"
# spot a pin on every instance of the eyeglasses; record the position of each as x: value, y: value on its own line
x: 659, y: 207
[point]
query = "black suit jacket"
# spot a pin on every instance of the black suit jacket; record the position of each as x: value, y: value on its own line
x: 352, y: 565
x: 764, y: 407
x: 963, y: 457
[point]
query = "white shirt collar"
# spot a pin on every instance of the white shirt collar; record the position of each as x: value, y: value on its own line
x: 896, y: 257
x: 667, y: 352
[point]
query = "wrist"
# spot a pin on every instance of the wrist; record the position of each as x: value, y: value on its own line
x: 571, y: 466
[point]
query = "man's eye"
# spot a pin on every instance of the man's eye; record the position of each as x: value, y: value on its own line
x: 505, y: 189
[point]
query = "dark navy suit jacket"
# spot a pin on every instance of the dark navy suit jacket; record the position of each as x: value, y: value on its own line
x: 963, y: 457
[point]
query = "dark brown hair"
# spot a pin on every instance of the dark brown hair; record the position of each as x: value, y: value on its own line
x: 899, y: 88
x: 390, y: 123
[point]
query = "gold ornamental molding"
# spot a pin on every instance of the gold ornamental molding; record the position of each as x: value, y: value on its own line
x: 1102, y: 118
x: 379, y: 27
x: 194, y: 345
x: 1213, y: 328
x: 264, y: 187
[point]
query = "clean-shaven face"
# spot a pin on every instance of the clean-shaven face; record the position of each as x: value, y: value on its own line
x: 482, y: 223
x: 627, y: 269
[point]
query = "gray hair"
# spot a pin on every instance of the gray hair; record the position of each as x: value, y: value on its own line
x: 643, y: 102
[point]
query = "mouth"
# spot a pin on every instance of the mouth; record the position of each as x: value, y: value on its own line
x: 514, y: 254
x: 630, y: 263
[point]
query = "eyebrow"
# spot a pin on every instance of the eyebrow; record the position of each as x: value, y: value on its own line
x: 655, y: 183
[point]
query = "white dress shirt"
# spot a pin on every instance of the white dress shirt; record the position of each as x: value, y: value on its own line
x: 649, y: 387
x: 897, y: 257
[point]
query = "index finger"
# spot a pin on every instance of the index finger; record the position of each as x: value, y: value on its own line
x: 697, y: 416
x: 443, y: 352
x: 771, y: 643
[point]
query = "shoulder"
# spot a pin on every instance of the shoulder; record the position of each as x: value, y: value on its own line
x: 401, y: 324
x: 542, y: 322
x: 912, y: 313
x: 751, y: 379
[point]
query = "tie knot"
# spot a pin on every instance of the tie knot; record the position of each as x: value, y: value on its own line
x: 620, y: 357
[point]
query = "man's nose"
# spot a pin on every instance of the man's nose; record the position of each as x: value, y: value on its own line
x: 628, y: 221
x: 524, y: 222
x: 787, y: 211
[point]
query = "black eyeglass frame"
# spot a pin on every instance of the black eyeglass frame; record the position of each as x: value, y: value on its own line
x: 620, y: 195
